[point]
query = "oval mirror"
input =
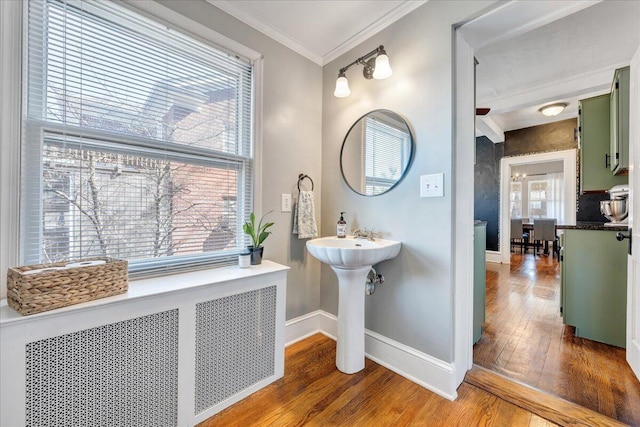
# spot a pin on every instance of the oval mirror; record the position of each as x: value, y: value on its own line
x: 376, y: 153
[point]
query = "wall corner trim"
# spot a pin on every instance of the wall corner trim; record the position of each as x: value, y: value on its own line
x: 427, y: 371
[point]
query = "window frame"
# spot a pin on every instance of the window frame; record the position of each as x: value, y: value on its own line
x: 161, y: 16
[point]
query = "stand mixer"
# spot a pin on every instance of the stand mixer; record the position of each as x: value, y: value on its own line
x: 616, y: 209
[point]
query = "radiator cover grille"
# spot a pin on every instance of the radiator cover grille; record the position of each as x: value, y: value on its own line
x: 123, y: 374
x: 235, y: 341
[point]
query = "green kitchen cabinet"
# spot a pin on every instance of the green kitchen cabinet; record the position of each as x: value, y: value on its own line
x: 479, y: 273
x: 619, y: 122
x: 595, y: 156
x: 594, y: 285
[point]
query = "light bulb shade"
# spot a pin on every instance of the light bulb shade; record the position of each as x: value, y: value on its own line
x: 553, y: 109
x: 382, y: 69
x: 342, y: 87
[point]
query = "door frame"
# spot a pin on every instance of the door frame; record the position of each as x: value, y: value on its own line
x: 466, y: 36
x: 633, y: 261
x: 569, y: 169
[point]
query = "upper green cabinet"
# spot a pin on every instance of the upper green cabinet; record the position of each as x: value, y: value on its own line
x: 619, y: 124
x: 595, y: 156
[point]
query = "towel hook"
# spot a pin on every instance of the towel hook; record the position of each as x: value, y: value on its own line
x: 302, y: 177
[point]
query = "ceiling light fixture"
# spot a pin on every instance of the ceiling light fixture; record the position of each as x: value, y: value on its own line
x: 517, y: 177
x: 377, y: 68
x: 553, y: 109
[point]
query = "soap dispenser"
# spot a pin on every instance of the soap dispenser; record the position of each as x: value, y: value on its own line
x: 342, y: 227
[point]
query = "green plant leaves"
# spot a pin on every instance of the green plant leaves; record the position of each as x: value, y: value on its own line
x: 257, y: 234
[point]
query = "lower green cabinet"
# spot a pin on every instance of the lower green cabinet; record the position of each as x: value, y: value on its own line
x: 479, y: 272
x: 594, y: 285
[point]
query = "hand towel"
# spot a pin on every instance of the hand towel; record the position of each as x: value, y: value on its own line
x: 304, y: 217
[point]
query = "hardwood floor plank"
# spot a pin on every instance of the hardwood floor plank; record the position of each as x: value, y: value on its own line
x: 543, y: 404
x: 322, y: 396
x: 524, y: 338
x: 482, y: 412
x: 537, y: 421
x: 336, y: 402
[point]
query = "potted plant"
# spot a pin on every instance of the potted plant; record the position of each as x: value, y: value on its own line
x: 258, y: 235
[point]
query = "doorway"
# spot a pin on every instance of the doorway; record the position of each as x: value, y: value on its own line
x: 464, y: 85
x: 568, y: 158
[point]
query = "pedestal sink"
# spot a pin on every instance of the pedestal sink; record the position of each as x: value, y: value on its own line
x: 351, y: 259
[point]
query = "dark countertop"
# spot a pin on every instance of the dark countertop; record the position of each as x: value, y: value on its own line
x: 581, y: 225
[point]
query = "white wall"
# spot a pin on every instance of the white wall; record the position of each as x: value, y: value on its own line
x: 414, y: 306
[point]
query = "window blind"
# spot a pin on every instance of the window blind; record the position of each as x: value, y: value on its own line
x: 386, y: 149
x: 137, y: 141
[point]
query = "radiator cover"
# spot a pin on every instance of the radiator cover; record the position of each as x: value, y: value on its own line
x: 124, y: 374
x: 235, y: 339
x: 173, y: 351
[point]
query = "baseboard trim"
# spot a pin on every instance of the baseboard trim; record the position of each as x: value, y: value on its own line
x: 493, y: 256
x: 425, y: 370
x: 301, y: 327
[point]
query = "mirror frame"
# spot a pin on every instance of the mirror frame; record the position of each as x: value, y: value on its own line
x: 412, y: 151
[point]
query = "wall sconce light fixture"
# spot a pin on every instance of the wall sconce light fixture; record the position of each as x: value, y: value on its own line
x: 377, y: 68
x: 553, y: 109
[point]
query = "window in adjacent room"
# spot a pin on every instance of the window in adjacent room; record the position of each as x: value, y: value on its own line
x: 546, y: 196
x: 137, y: 141
x: 515, y: 199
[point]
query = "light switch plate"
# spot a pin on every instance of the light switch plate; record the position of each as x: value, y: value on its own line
x: 285, y: 202
x: 432, y: 185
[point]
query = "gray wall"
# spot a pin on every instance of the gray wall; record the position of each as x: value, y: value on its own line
x: 414, y: 305
x: 291, y: 144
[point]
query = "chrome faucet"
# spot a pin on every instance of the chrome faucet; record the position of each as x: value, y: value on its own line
x: 367, y: 234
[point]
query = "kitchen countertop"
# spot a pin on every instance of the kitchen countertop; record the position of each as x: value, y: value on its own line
x: 581, y: 225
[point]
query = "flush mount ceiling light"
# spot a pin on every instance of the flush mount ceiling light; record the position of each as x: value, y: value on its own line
x: 553, y: 109
x: 377, y: 68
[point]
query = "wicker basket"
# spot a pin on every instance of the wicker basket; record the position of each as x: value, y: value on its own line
x: 30, y: 293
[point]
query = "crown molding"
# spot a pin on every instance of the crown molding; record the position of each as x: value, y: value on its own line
x: 374, y: 28
x: 228, y: 7
x: 380, y: 24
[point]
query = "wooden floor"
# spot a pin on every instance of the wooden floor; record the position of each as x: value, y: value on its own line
x: 314, y: 393
x: 524, y: 339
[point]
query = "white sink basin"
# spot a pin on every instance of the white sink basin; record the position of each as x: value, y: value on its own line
x: 352, y: 253
x: 351, y: 259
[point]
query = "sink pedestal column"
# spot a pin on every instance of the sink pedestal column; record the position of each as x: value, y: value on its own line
x: 350, y: 345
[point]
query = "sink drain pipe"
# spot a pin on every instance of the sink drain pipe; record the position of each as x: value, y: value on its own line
x: 373, y: 279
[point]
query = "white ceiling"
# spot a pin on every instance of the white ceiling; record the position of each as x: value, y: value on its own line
x: 566, y: 60
x: 320, y: 30
x: 530, y: 52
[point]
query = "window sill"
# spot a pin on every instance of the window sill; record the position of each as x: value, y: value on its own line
x: 145, y: 288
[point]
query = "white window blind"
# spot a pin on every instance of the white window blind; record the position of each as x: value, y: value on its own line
x: 137, y: 141
x: 386, y: 150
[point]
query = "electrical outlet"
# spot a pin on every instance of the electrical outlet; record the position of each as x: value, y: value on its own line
x: 432, y: 185
x: 285, y: 202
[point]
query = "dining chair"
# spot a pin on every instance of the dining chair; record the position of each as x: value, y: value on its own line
x: 518, y: 236
x: 544, y: 231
